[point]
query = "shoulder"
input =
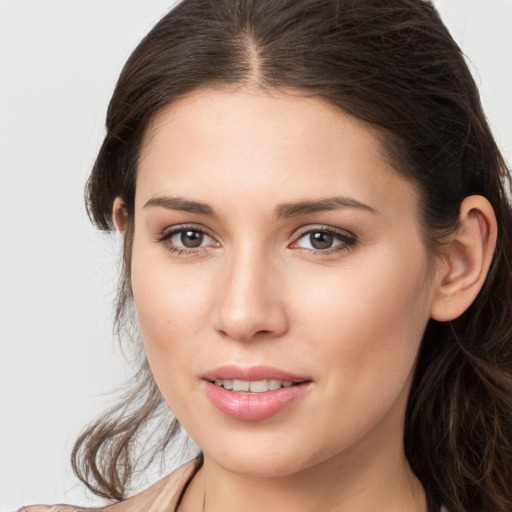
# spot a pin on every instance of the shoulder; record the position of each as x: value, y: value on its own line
x: 163, y: 496
x: 55, y: 508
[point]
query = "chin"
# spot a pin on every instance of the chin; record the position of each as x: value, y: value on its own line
x: 257, y: 458
x: 268, y: 466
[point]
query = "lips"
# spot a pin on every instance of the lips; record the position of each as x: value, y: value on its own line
x: 254, y: 393
x: 253, y: 373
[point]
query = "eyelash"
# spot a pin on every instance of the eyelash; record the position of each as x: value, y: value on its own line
x: 166, y: 236
x: 345, y: 239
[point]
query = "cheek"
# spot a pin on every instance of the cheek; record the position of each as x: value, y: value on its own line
x: 367, y: 322
x: 171, y: 304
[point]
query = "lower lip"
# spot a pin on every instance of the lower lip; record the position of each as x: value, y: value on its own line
x: 253, y: 406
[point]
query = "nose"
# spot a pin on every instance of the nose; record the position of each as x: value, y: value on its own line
x: 249, y: 301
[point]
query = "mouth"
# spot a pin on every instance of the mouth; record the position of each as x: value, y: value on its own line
x: 254, y: 386
x: 254, y: 393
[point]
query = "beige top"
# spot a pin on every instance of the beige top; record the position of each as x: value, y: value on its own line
x: 164, y: 496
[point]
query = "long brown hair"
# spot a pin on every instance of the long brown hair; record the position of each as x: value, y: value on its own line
x: 393, y: 65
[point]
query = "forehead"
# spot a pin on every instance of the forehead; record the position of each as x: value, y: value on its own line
x: 218, y: 143
x: 262, y: 117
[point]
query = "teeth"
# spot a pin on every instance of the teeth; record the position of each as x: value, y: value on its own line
x: 254, y: 386
x: 241, y: 385
x: 258, y: 386
x: 274, y: 384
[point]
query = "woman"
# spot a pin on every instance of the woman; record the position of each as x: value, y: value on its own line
x: 316, y: 244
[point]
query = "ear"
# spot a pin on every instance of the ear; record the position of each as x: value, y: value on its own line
x: 119, y: 215
x: 466, y: 261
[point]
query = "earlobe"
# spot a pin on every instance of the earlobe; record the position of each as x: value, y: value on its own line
x: 467, y: 259
x: 119, y: 215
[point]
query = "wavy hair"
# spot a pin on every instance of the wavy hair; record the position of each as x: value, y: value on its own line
x: 393, y: 65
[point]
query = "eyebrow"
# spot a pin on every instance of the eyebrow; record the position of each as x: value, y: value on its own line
x: 284, y: 210
x: 323, y: 205
x: 177, y: 203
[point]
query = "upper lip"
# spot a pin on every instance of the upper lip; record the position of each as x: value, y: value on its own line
x: 251, y: 373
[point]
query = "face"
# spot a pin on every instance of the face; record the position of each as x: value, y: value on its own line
x: 280, y: 279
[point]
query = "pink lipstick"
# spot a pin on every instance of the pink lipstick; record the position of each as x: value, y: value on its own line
x: 253, y: 393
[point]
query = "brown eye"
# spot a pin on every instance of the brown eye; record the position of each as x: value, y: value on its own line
x: 320, y: 240
x: 187, y: 239
x: 191, y: 238
x: 324, y: 240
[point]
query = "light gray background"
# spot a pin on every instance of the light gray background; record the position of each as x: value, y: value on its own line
x: 59, y: 60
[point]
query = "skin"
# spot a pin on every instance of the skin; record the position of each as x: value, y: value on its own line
x: 349, y: 318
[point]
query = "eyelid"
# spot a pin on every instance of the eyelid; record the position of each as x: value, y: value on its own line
x: 321, y: 227
x: 346, y: 238
x: 172, y: 230
x: 165, y: 236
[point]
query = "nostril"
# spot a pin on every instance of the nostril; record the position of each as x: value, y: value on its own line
x: 262, y: 332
